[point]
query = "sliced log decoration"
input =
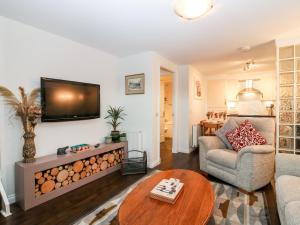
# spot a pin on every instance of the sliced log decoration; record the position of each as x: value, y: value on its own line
x: 64, y: 175
x: 54, y: 171
x: 78, y: 166
x: 38, y: 175
x: 47, y: 186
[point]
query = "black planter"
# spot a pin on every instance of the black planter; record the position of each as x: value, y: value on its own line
x: 115, y: 135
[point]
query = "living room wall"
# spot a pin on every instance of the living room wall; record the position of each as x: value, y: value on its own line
x: 30, y: 53
x: 143, y: 110
x: 191, y: 110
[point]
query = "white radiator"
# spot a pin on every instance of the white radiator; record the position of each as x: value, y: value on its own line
x: 135, y: 140
x: 195, y: 135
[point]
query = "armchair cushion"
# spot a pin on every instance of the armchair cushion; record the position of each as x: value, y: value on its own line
x: 224, y: 157
x: 287, y: 164
x: 244, y: 135
x: 292, y: 213
x: 287, y: 191
x: 210, y: 142
x: 230, y: 125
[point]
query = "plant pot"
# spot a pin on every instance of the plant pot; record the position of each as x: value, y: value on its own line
x: 115, y: 135
x: 108, y: 139
x: 29, y: 147
x: 122, y: 138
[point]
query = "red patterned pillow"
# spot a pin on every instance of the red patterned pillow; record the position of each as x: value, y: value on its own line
x: 244, y: 135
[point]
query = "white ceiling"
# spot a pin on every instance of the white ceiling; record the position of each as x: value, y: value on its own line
x: 124, y: 27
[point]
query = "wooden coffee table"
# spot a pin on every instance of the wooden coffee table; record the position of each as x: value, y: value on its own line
x: 193, y: 207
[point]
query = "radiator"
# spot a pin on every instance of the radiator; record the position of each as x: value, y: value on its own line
x: 135, y: 140
x: 195, y: 135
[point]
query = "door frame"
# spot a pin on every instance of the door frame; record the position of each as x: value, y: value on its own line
x: 174, y: 75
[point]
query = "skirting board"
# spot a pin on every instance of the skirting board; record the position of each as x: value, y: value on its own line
x: 187, y: 151
x: 153, y: 163
x: 12, y: 198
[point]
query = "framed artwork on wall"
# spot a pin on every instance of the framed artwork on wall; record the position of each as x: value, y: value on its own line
x: 135, y: 84
x: 197, y: 88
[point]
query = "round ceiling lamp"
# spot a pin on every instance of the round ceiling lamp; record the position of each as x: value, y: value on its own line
x: 192, y: 9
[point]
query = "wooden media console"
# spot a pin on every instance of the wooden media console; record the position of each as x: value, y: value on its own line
x: 53, y: 175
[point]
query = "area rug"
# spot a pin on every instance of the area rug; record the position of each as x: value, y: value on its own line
x: 232, y: 207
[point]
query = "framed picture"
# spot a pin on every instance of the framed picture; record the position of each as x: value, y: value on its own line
x: 135, y: 84
x: 197, y: 88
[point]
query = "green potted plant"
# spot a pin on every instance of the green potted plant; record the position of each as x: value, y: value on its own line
x: 115, y: 114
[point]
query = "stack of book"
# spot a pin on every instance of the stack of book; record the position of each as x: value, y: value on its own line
x: 167, y: 190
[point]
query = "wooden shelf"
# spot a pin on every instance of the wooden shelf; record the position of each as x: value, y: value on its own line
x: 25, y: 173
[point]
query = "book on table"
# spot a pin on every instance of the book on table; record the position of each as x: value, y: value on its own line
x: 167, y: 190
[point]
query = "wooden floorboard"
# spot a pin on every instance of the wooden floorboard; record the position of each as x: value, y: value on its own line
x: 71, y: 206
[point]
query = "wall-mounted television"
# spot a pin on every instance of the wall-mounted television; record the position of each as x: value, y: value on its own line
x: 64, y: 100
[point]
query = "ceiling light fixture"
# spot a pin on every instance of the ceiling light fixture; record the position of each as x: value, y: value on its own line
x: 192, y: 9
x: 249, y: 65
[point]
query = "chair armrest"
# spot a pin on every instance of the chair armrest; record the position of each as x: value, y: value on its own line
x: 257, y: 149
x: 211, y: 142
x: 255, y: 166
x: 287, y: 164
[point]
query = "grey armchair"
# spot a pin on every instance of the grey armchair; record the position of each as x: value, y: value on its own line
x: 288, y: 188
x: 251, y: 168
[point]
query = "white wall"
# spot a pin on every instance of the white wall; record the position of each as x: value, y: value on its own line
x: 31, y: 53
x: 138, y: 107
x: 143, y: 110
x: 197, y: 107
x: 191, y: 110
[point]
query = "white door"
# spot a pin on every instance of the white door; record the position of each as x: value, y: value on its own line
x: 162, y: 112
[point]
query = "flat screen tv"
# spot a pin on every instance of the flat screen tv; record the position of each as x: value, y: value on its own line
x: 63, y: 100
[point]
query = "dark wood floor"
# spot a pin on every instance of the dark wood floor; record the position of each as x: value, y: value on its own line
x: 69, y: 207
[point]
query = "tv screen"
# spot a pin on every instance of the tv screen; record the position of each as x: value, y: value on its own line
x: 63, y: 100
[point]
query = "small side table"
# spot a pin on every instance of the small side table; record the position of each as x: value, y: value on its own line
x: 209, y: 128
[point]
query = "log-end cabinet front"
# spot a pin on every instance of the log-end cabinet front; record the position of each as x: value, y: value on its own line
x: 96, y: 163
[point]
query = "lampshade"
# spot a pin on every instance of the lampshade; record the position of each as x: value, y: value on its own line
x: 192, y: 9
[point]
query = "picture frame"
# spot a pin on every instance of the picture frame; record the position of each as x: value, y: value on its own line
x: 135, y: 84
x: 198, y: 92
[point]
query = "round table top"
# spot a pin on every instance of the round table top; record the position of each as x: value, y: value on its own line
x: 193, y: 207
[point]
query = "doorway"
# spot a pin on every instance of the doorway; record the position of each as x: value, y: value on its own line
x: 166, y: 115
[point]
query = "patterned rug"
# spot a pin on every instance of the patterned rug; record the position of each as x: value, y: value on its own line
x: 232, y: 207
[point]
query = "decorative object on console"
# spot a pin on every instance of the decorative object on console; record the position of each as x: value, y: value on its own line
x: 135, y: 84
x: 62, y: 151
x: 80, y: 148
x: 244, y: 135
x: 123, y: 137
x: 29, y: 111
x: 115, y: 114
x: 108, y: 140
